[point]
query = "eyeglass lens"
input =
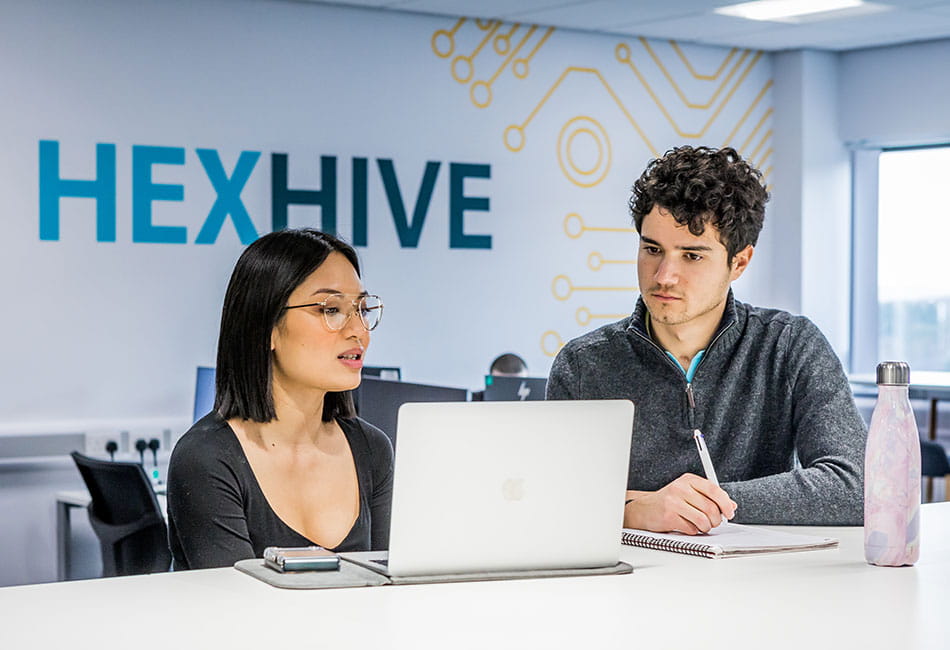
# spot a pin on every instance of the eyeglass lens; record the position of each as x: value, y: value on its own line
x: 337, y: 311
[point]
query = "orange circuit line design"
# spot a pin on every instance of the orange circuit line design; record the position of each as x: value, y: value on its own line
x: 583, y: 144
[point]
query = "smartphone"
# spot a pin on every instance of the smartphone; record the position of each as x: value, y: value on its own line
x: 301, y: 558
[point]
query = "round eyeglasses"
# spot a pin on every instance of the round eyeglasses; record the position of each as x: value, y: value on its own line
x: 338, y: 308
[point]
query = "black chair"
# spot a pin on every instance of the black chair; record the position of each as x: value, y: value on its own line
x: 125, y: 516
x: 934, y: 463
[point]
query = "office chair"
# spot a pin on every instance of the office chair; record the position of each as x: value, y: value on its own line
x: 125, y: 516
x: 934, y: 463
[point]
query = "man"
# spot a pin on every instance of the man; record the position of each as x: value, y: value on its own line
x: 504, y: 365
x: 508, y: 365
x: 763, y: 386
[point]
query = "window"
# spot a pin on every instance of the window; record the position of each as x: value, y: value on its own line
x: 913, y: 257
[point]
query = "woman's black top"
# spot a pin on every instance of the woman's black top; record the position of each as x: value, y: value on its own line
x: 217, y: 513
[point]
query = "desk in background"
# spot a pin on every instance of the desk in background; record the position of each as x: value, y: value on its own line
x: 815, y: 599
x: 932, y: 386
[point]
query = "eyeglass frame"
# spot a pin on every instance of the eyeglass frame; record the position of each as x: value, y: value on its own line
x: 355, y: 303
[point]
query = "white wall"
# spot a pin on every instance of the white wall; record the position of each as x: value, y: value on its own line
x: 896, y: 95
x: 783, y: 227
x: 811, y: 211
x: 108, y: 333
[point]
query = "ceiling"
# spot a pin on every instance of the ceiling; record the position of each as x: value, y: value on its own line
x: 887, y: 22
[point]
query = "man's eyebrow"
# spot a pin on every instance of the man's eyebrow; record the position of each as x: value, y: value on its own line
x: 698, y: 248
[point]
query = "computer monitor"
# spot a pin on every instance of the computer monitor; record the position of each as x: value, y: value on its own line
x: 514, y: 389
x: 378, y: 400
x: 204, y: 392
x: 392, y: 374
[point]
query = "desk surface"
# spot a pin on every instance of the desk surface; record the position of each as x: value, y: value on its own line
x: 816, y: 599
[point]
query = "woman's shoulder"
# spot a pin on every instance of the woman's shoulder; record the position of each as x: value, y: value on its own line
x: 207, y: 431
x: 210, y: 439
x: 376, y: 441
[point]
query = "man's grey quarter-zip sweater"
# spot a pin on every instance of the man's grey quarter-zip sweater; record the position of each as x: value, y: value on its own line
x: 769, y: 388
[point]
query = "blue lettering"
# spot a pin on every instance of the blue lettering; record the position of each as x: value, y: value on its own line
x: 459, y: 203
x: 282, y: 196
x: 360, y: 178
x: 408, y: 231
x: 229, y: 203
x: 229, y: 196
x: 144, y: 192
x: 53, y: 188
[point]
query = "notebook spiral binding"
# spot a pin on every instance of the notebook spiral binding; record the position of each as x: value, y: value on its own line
x: 676, y: 546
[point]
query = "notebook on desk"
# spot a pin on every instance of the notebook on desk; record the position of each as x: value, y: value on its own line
x: 486, y: 490
x: 727, y: 540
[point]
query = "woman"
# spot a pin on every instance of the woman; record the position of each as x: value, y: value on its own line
x: 282, y: 460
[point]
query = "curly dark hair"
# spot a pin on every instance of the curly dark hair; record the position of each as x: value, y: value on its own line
x: 701, y: 185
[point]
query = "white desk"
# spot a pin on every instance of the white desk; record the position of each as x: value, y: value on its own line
x: 818, y: 599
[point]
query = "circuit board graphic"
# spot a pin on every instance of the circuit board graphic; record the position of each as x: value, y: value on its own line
x: 646, y: 94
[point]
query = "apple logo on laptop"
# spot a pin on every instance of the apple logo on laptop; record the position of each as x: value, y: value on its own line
x: 513, y: 489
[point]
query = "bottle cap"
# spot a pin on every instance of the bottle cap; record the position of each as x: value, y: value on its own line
x: 893, y: 373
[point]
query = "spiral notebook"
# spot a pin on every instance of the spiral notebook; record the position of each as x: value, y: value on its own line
x: 727, y: 540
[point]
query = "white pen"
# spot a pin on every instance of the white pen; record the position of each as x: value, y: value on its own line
x: 704, y: 456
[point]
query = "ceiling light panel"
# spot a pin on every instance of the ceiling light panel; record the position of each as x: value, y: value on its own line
x: 786, y: 10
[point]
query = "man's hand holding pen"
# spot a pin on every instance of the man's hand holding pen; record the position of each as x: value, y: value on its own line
x: 690, y: 504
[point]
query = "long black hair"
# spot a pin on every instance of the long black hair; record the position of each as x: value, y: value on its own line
x: 265, y: 275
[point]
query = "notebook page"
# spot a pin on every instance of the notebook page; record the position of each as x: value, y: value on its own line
x: 726, y: 540
x: 739, y: 538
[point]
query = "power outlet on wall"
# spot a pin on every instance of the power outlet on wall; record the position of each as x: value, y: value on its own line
x: 97, y: 440
x: 144, y: 432
x: 126, y: 435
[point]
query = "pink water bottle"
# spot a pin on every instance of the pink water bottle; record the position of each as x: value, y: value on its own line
x: 892, y: 473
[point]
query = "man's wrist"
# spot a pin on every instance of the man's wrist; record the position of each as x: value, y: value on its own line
x: 630, y: 515
x: 633, y: 495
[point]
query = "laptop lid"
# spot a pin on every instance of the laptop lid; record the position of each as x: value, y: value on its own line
x: 514, y: 389
x: 501, y: 486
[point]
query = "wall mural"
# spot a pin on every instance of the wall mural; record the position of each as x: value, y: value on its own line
x: 664, y: 99
x: 481, y: 167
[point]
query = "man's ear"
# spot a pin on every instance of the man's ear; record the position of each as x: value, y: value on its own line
x: 740, y: 261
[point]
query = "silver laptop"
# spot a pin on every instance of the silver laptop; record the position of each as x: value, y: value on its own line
x: 506, y: 487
